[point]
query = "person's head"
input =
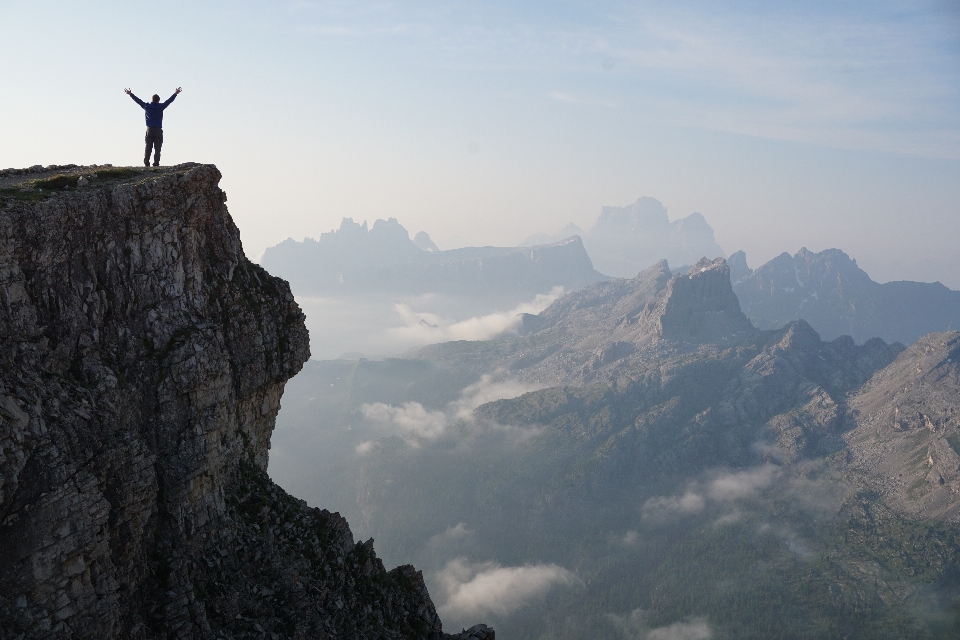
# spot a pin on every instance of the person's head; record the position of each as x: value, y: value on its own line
x: 156, y: 98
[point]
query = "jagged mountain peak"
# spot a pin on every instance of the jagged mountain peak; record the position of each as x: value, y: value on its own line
x: 701, y: 306
x: 738, y: 266
x: 597, y: 330
x: 830, y: 291
x: 384, y: 260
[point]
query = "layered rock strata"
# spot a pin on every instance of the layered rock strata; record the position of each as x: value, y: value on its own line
x: 142, y: 361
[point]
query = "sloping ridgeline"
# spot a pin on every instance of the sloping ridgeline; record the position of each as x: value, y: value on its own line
x: 142, y: 361
x: 695, y: 474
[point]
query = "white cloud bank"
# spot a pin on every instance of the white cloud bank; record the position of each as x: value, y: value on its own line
x: 421, y: 328
x: 416, y: 423
x: 453, y: 534
x: 634, y: 626
x: 380, y: 325
x: 724, y: 487
x: 478, y: 589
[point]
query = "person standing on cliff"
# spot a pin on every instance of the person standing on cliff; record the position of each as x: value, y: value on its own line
x: 154, y: 114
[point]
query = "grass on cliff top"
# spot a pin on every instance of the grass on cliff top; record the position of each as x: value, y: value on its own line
x: 39, y: 190
x: 60, y: 182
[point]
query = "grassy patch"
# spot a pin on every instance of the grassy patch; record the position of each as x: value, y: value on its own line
x: 57, y: 183
x: 23, y: 196
x: 117, y: 173
x: 40, y: 190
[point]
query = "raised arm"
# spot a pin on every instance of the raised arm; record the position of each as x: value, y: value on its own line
x: 171, y: 98
x: 135, y: 98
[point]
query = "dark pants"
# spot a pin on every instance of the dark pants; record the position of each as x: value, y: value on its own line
x: 154, y: 140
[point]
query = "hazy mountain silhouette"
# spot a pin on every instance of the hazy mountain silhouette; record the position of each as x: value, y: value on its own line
x: 625, y: 240
x: 383, y: 259
x: 836, y: 297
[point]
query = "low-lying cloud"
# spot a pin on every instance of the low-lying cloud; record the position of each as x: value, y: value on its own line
x: 416, y: 424
x: 381, y: 325
x: 741, y: 484
x: 486, y: 588
x: 634, y: 626
x: 420, y: 328
x: 723, y: 487
x: 663, y: 506
x: 412, y: 419
x: 453, y: 534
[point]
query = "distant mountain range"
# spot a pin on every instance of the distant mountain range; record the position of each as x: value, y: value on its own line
x: 836, y: 297
x: 383, y: 258
x: 625, y: 240
x: 826, y: 289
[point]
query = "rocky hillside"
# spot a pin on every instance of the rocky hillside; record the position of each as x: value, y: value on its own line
x: 907, y: 440
x: 837, y: 297
x: 142, y: 362
x: 604, y: 328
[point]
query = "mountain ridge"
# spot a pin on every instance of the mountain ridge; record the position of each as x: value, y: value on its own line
x: 382, y: 259
x: 829, y: 290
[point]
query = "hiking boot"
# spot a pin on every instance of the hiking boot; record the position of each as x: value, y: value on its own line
x: 156, y: 164
x: 146, y: 163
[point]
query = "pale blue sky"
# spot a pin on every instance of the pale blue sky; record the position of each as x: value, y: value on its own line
x: 822, y: 124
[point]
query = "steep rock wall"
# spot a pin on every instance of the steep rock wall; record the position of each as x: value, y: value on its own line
x: 142, y: 361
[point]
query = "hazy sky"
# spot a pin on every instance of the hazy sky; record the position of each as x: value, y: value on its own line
x: 813, y: 124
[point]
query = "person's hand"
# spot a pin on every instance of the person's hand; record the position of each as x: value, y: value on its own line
x: 178, y: 90
x: 126, y: 91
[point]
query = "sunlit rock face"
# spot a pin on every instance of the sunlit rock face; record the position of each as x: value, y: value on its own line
x: 142, y: 362
x: 701, y: 305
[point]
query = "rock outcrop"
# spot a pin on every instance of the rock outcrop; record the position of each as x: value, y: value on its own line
x: 701, y: 306
x: 142, y: 361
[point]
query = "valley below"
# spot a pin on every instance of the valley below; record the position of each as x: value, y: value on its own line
x: 694, y: 452
x: 639, y: 461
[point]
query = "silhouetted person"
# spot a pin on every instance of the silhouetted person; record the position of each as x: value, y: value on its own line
x: 154, y: 114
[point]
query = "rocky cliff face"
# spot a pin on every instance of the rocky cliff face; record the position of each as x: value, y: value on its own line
x: 701, y: 306
x: 603, y: 329
x: 142, y: 361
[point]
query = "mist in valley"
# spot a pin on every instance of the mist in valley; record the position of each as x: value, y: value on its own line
x: 628, y: 320
x: 376, y: 327
x: 561, y: 469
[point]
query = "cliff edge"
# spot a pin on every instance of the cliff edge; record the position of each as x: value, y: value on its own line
x: 142, y: 361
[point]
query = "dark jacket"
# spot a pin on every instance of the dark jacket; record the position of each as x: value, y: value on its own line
x: 153, y: 110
